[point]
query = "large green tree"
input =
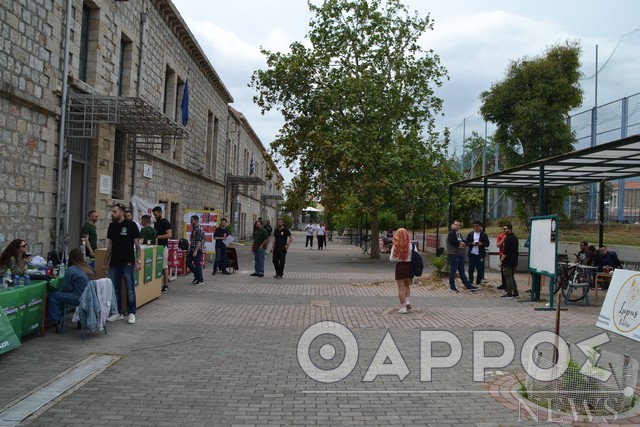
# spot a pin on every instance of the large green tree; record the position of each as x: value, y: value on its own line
x: 358, y: 103
x: 530, y: 109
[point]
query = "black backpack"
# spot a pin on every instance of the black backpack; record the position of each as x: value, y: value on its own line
x: 183, y: 244
x: 269, y: 229
x: 417, y: 265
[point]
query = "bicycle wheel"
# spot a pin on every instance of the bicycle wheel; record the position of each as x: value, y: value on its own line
x: 578, y: 279
x: 561, y: 282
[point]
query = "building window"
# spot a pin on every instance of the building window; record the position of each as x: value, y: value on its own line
x: 125, y: 64
x: 84, y: 43
x: 117, y: 189
x: 168, y: 107
x: 212, y: 144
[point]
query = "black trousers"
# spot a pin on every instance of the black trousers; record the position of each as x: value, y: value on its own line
x: 279, y: 258
x: 309, y: 241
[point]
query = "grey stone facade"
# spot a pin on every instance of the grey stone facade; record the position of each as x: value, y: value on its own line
x: 118, y: 50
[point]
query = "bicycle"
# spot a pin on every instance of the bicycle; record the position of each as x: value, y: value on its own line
x: 365, y: 245
x: 570, y: 274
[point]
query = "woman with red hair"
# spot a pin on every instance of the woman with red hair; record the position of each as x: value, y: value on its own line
x: 401, y: 253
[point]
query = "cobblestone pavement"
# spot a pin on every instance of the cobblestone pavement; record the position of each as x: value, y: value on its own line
x: 225, y: 353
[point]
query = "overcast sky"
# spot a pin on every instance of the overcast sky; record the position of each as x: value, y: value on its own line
x: 475, y: 40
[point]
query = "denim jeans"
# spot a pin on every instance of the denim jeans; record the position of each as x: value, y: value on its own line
x: 476, y: 263
x: 221, y: 258
x: 193, y: 262
x: 259, y: 260
x: 116, y: 274
x: 56, y: 300
x: 456, y: 263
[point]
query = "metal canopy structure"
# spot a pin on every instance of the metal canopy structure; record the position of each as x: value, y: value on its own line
x: 614, y: 160
x: 618, y: 159
x: 146, y: 127
x: 245, y: 179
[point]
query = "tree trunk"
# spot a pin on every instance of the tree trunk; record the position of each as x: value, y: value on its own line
x: 375, y: 249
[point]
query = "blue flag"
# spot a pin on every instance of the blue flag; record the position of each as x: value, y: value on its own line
x: 185, y: 104
x: 251, y: 166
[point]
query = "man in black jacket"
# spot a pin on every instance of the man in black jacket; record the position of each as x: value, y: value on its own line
x: 509, y: 260
x: 455, y: 254
x: 477, y: 241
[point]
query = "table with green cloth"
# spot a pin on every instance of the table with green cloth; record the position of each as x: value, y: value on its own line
x: 24, y: 306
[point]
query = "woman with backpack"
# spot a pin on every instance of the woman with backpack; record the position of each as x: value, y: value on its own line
x: 401, y: 254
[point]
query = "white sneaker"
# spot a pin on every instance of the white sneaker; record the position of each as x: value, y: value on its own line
x: 199, y: 283
x: 403, y: 310
x: 132, y: 319
x: 115, y: 317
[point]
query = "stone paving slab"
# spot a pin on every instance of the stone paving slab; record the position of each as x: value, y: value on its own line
x: 226, y: 353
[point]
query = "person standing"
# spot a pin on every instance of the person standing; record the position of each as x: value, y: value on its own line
x: 128, y: 214
x: 477, y: 241
x: 259, y: 247
x: 123, y: 241
x: 401, y: 253
x: 309, y: 228
x: 282, y: 238
x: 499, y: 243
x: 163, y: 227
x: 90, y: 234
x: 455, y: 253
x: 509, y: 261
x: 196, y: 248
x: 321, y: 234
x: 148, y: 233
x: 219, y: 236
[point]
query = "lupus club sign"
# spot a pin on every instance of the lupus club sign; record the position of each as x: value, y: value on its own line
x: 620, y: 311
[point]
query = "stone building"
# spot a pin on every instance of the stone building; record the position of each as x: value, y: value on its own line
x: 119, y: 127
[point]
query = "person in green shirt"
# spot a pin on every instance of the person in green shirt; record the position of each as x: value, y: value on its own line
x: 148, y: 233
x: 259, y: 248
x: 90, y: 233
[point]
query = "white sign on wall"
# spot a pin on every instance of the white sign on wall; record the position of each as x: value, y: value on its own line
x: 147, y: 171
x: 105, y: 184
x: 620, y: 311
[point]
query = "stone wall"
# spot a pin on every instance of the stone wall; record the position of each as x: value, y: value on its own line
x: 31, y: 56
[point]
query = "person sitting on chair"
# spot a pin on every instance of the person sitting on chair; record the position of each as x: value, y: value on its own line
x: 584, y: 257
x: 76, y: 278
x: 607, y: 260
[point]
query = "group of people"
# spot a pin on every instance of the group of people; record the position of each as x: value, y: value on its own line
x: 603, y: 258
x: 123, y: 258
x: 320, y: 231
x: 476, y: 244
x: 280, y: 243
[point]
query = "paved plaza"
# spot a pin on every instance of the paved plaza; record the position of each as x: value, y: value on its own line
x: 226, y: 353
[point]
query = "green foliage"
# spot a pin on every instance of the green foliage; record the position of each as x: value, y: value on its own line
x: 467, y: 201
x: 359, y: 106
x: 530, y: 107
x: 288, y: 221
x: 387, y: 219
x: 439, y: 262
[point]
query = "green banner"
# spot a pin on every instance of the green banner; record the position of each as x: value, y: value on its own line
x: 148, y: 264
x: 11, y: 301
x: 33, y: 300
x: 8, y: 338
x: 159, y: 261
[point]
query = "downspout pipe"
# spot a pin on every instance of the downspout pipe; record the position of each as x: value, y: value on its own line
x: 143, y: 21
x: 63, y: 118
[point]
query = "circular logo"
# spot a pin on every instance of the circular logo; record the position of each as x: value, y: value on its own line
x: 626, y: 308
